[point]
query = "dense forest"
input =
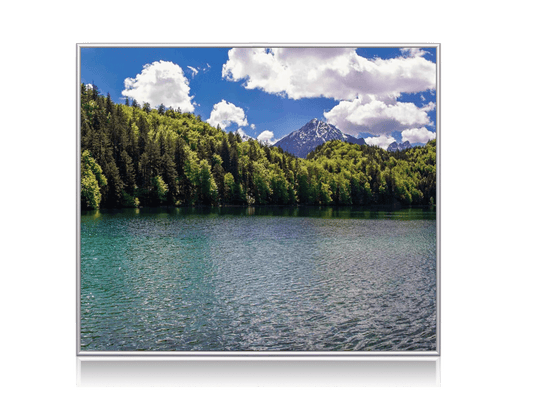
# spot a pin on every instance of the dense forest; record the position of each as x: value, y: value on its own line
x: 132, y: 156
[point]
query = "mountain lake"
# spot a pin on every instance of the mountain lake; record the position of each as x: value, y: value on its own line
x: 307, y: 279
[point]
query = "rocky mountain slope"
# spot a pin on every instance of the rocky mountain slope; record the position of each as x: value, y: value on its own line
x: 395, y: 146
x: 314, y: 133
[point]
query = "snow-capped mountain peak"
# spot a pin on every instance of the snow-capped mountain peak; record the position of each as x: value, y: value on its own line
x: 313, y: 133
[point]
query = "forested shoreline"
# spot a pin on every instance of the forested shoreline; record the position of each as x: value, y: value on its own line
x: 133, y: 156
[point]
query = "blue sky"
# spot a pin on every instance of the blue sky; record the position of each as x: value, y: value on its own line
x: 381, y: 94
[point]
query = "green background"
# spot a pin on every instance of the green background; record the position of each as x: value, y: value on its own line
x: 484, y: 288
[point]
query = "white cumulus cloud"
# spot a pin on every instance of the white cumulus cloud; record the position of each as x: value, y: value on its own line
x: 266, y: 137
x: 383, y: 141
x: 244, y: 136
x: 369, y: 115
x: 413, y: 52
x: 429, y: 107
x: 338, y: 73
x: 225, y: 113
x: 421, y: 135
x: 160, y: 82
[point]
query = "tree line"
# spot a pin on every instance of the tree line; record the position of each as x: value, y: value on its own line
x: 133, y: 155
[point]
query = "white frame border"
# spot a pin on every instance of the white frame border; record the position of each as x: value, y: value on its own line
x: 357, y: 366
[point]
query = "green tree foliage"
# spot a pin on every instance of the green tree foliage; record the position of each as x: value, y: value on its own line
x: 92, y: 179
x: 206, y: 187
x: 160, y: 189
x: 325, y: 194
x: 133, y: 156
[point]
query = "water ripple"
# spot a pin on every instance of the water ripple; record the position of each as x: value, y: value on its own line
x: 173, y: 281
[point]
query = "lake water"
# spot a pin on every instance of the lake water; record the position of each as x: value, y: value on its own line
x: 238, y: 279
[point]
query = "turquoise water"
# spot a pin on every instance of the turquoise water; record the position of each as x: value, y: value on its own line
x: 239, y: 279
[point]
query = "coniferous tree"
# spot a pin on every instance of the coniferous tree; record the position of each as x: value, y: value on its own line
x: 92, y: 179
x: 168, y: 157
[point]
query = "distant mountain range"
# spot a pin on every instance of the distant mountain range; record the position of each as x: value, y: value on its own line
x: 314, y: 133
x: 395, y: 146
x: 304, y: 140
